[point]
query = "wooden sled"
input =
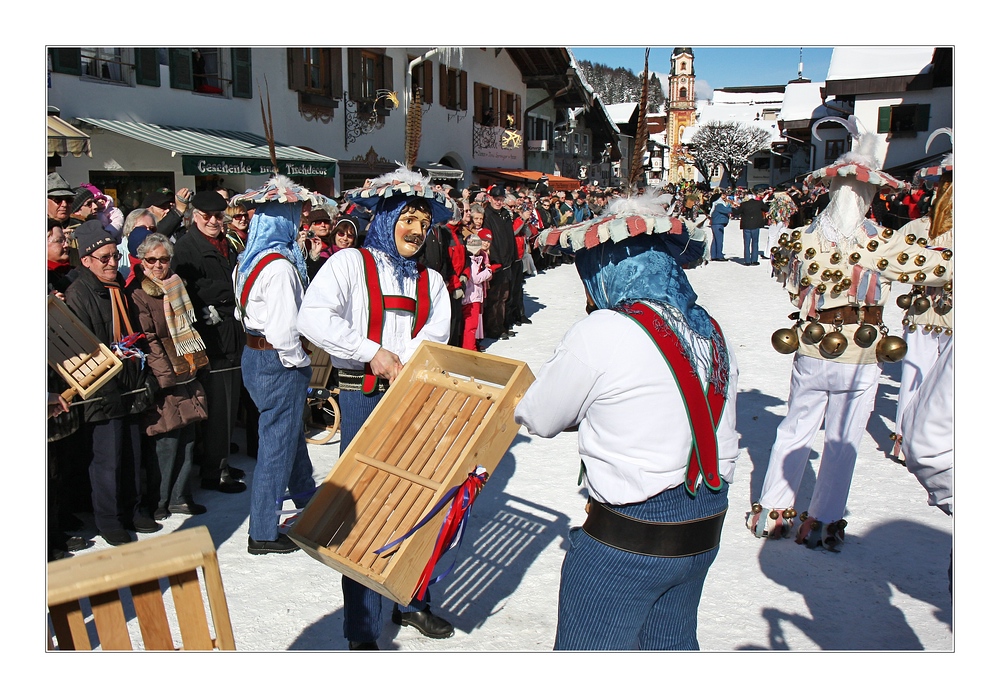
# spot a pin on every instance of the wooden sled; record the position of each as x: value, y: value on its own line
x: 448, y: 411
x: 76, y: 354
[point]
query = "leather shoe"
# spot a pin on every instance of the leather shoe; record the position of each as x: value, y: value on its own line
x: 236, y: 473
x: 189, y: 508
x: 119, y: 536
x: 160, y: 514
x: 225, y: 484
x: 525, y: 321
x: 426, y: 622
x: 144, y: 524
x: 363, y: 645
x: 283, y: 544
x: 76, y: 543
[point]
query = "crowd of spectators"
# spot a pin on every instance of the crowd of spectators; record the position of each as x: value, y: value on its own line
x: 156, y: 284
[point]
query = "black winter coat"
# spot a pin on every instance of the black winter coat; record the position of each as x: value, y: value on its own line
x: 90, y: 301
x: 503, y: 249
x: 751, y: 213
x: 208, y: 276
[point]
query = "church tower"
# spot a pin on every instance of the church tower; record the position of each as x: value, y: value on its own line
x: 680, y: 109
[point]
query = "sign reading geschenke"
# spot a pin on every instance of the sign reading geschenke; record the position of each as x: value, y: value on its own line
x: 195, y: 165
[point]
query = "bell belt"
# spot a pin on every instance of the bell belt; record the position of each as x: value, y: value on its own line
x: 850, y: 315
x: 657, y: 539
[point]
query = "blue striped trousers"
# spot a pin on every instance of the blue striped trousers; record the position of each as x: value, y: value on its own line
x: 363, y: 619
x: 610, y: 599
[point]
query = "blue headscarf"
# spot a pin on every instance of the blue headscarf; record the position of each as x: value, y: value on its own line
x: 642, y: 268
x: 381, y: 236
x: 273, y: 228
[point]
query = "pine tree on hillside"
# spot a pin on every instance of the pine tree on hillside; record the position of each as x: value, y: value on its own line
x: 616, y: 85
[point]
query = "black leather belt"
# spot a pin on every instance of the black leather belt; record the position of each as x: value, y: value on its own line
x: 680, y: 539
x: 349, y: 379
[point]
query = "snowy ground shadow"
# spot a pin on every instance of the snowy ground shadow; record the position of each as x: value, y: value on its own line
x: 850, y: 594
x: 883, y: 421
x: 505, y: 534
x: 757, y: 425
x: 531, y: 304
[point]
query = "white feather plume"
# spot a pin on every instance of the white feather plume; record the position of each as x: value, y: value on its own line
x: 402, y: 175
x: 649, y: 203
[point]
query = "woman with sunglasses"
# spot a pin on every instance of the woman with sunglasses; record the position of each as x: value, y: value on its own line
x: 343, y: 236
x: 237, y: 227
x: 176, y: 352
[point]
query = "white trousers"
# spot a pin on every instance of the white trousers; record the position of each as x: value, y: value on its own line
x: 843, y: 395
x: 923, y: 351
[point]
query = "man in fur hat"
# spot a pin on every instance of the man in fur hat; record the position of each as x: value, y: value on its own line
x: 369, y: 350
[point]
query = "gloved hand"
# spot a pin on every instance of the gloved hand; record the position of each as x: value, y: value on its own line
x: 458, y: 294
x: 210, y: 315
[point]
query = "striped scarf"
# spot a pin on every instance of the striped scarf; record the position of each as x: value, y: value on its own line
x: 180, y: 315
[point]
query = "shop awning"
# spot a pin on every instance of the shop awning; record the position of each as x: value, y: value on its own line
x: 215, y: 152
x: 65, y: 139
x: 556, y: 183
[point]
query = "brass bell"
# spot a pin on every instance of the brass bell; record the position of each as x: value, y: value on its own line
x: 833, y: 344
x: 810, y: 253
x: 939, y: 270
x: 904, y: 278
x: 813, y: 268
x: 826, y: 275
x: 890, y: 349
x: 946, y: 254
x: 854, y: 258
x: 872, y: 245
x: 882, y: 264
x: 796, y: 234
x: 806, y: 281
x: 920, y: 277
x: 813, y: 332
x: 785, y: 340
x: 919, y: 260
x: 921, y: 304
x: 944, y: 307
x: 756, y: 508
x: 821, y: 289
x: 803, y: 516
x: 790, y: 513
x: 902, y: 258
x: 797, y: 246
x: 887, y: 233
x: 947, y: 331
x: 946, y: 286
x: 937, y: 329
x: 928, y: 327
x: 783, y: 238
x: 774, y: 514
x: 774, y: 252
x: 904, y: 301
x: 910, y: 239
x: 922, y: 242
x: 837, y: 274
x: 835, y: 258
x: 865, y: 335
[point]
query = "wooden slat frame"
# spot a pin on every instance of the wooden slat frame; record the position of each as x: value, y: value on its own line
x: 447, y: 412
x: 100, y: 576
x: 76, y: 354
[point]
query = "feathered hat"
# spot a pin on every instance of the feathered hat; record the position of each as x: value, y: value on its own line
x: 386, y: 192
x: 860, y: 162
x: 636, y: 214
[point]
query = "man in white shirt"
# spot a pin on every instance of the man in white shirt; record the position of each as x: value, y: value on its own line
x: 369, y: 341
x: 270, y: 280
x: 633, y: 574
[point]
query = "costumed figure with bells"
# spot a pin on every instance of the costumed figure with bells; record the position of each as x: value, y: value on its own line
x: 837, y: 272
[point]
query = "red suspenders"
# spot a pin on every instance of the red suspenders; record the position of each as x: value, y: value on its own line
x: 254, y: 273
x: 704, y: 410
x: 378, y: 304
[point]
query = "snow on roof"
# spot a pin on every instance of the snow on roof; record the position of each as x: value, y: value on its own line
x: 724, y: 97
x: 802, y: 99
x: 852, y: 62
x: 622, y: 112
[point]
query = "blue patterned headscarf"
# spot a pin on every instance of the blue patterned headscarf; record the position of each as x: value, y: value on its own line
x: 274, y: 227
x: 642, y: 268
x: 381, y: 236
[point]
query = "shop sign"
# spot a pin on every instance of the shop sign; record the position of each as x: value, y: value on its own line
x: 196, y: 165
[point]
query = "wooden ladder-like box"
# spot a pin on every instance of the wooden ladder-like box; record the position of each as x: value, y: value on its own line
x: 449, y: 411
x: 136, y: 569
x: 76, y: 353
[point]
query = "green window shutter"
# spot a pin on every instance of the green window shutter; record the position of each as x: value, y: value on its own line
x: 923, y: 117
x: 181, y: 72
x: 66, y: 60
x: 147, y: 67
x: 354, y: 74
x: 242, y: 80
x: 884, y: 119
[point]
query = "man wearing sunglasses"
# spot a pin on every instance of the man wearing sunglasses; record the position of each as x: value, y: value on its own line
x: 204, y: 260
x: 60, y: 198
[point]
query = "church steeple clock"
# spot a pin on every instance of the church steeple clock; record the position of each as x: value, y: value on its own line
x: 681, y: 107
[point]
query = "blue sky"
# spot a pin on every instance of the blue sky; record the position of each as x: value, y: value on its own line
x: 721, y: 67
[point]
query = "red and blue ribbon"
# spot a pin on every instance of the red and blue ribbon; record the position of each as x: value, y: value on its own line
x: 452, y: 531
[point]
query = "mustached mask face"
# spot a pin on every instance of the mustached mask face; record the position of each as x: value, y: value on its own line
x: 411, y: 229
